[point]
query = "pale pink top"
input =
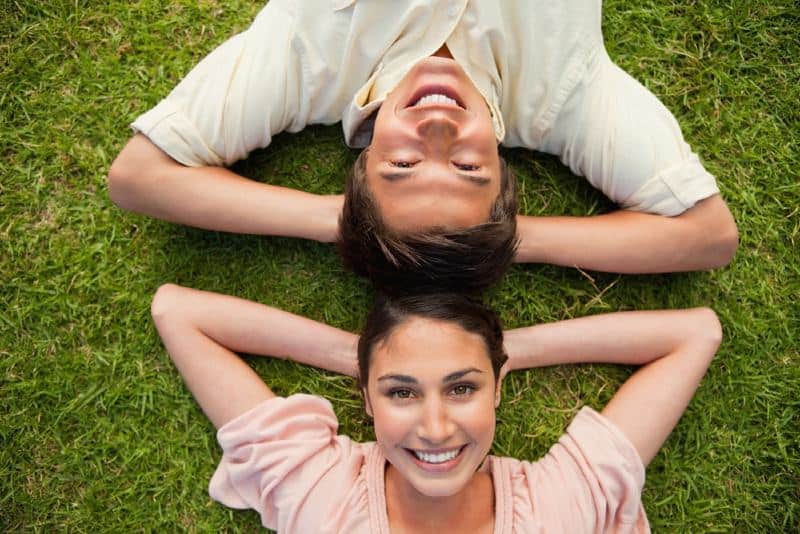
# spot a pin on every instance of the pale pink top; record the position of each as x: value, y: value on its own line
x: 285, y: 460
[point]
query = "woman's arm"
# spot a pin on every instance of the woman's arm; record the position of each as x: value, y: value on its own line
x: 202, y: 332
x: 145, y: 180
x: 674, y: 346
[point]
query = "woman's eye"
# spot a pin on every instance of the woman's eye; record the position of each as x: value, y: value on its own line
x: 403, y: 164
x: 401, y: 394
x: 466, y: 167
x: 463, y: 389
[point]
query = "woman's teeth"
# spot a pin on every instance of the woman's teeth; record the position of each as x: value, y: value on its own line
x: 436, y: 99
x: 437, y: 458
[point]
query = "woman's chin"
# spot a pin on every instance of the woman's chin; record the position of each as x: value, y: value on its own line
x: 441, y: 490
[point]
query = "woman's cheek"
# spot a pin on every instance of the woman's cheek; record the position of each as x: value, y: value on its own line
x: 393, y: 419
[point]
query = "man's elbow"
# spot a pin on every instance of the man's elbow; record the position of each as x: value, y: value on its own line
x: 714, y: 233
x: 133, y: 170
x: 726, y: 243
x: 119, y: 182
x: 723, y: 235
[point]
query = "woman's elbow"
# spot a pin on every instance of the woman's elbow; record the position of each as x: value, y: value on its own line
x: 711, y: 327
x: 166, y: 303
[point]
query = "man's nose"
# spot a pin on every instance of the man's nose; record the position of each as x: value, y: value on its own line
x: 438, y: 131
x: 436, y: 426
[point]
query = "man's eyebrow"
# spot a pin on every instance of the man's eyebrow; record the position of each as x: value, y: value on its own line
x: 477, y: 180
x: 405, y: 379
x: 395, y: 176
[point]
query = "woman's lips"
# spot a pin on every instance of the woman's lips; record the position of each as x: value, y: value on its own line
x: 442, y: 467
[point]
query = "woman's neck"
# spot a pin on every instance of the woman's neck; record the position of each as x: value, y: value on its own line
x: 470, y: 510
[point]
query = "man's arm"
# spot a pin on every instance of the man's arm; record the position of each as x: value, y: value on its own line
x: 145, y: 180
x: 703, y: 237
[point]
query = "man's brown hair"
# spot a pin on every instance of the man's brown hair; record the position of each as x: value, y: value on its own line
x: 467, y: 260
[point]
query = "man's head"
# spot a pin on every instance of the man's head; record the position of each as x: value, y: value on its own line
x: 430, y: 204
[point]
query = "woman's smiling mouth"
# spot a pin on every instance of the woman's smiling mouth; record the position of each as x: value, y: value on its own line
x: 439, y: 461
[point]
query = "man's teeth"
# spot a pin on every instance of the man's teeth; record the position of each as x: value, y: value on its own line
x: 436, y: 99
x: 436, y: 458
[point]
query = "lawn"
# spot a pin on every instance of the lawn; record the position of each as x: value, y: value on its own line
x: 97, y: 432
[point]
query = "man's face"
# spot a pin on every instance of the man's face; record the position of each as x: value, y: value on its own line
x: 433, y: 161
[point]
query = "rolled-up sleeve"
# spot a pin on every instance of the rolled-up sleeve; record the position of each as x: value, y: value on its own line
x: 590, y: 481
x: 284, y: 460
x: 234, y: 100
x: 617, y: 134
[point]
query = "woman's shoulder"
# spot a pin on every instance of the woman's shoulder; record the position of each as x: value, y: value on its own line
x: 590, y: 437
x: 285, y: 459
x: 591, y: 476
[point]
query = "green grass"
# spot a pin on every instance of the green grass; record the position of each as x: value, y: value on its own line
x: 97, y: 431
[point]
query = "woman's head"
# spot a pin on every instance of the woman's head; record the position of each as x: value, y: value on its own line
x: 430, y: 204
x: 429, y: 368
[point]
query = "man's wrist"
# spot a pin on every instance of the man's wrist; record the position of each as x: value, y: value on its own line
x: 331, y: 210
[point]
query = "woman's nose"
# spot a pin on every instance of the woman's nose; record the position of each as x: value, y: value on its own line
x: 435, y: 426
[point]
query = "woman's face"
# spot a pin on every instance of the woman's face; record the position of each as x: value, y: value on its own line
x: 433, y: 160
x: 432, y: 395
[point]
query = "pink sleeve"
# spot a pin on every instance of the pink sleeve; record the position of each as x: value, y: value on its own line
x: 284, y: 460
x: 590, y: 481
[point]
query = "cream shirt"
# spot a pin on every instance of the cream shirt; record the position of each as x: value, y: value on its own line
x: 540, y: 65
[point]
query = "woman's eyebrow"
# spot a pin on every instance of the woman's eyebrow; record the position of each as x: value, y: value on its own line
x: 460, y: 374
x: 400, y: 378
x: 406, y: 379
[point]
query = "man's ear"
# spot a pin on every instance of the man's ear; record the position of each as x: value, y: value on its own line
x: 497, y: 392
x: 367, y: 404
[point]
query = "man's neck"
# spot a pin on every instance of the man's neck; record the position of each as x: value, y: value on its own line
x: 443, y: 52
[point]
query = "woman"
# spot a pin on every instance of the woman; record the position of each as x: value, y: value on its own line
x: 430, y: 369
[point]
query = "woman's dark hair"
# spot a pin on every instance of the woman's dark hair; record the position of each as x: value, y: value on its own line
x: 388, y: 313
x: 468, y: 260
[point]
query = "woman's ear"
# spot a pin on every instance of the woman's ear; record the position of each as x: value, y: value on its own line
x: 367, y: 404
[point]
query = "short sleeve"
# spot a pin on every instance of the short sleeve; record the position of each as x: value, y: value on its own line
x: 590, y: 481
x: 284, y: 460
x: 234, y: 100
x: 617, y: 134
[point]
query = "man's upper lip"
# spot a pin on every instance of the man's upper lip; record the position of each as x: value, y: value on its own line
x: 435, y: 89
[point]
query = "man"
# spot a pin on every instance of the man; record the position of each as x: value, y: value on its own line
x: 431, y: 88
